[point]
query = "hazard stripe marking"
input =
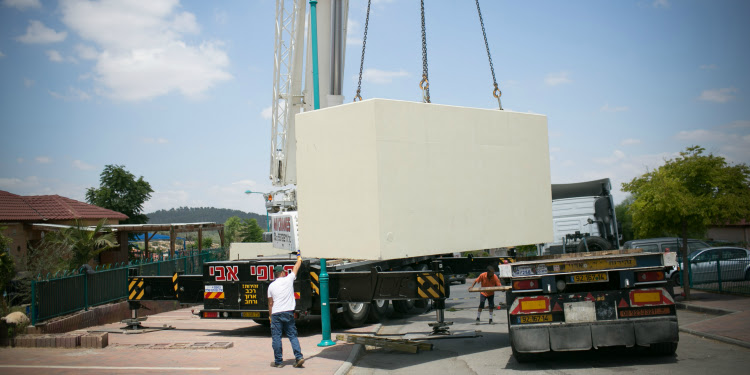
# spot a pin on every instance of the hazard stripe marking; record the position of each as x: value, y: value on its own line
x: 432, y: 280
x: 140, y: 284
x: 141, y: 294
x: 315, y: 288
x: 132, y: 295
x: 174, y: 278
x: 132, y: 283
x: 434, y: 295
x: 314, y: 276
x: 421, y: 293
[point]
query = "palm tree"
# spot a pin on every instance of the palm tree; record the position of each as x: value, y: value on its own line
x: 83, y: 243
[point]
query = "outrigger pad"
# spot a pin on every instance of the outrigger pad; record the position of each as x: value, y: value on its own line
x: 394, y: 179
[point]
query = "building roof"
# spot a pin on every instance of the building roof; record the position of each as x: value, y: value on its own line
x: 50, y: 207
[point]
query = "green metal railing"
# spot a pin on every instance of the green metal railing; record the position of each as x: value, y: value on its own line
x: 723, y: 276
x: 66, y: 292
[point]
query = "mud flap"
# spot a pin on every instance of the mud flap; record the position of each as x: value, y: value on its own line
x: 613, y: 334
x: 577, y: 337
x: 652, y: 332
x: 530, y: 339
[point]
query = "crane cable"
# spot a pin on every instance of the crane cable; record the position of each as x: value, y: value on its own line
x: 424, y: 84
x: 496, y: 92
x: 357, y: 96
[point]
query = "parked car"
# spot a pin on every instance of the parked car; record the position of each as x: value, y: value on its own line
x: 461, y: 278
x: 734, y: 263
x: 667, y: 245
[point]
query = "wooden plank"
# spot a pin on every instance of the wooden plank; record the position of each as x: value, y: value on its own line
x: 395, y: 344
x: 491, y: 289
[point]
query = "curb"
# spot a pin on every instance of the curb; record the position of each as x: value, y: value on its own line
x: 703, y: 309
x: 356, y: 352
x: 716, y: 337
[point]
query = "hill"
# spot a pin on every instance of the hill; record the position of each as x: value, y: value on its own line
x: 201, y: 214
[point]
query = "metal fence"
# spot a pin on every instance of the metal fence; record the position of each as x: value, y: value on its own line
x: 724, y: 276
x: 66, y: 293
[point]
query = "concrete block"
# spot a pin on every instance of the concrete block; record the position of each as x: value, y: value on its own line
x: 68, y: 341
x: 95, y: 340
x: 385, y: 179
x: 45, y: 341
x: 25, y: 341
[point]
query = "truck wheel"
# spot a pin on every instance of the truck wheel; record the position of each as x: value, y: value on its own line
x: 355, y: 314
x: 595, y: 244
x: 664, y: 348
x: 403, y: 306
x: 378, y: 310
x: 747, y: 275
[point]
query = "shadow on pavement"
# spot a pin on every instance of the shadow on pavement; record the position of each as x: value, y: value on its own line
x: 600, y: 358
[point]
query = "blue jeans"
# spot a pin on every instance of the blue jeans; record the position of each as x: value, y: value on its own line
x: 284, y: 322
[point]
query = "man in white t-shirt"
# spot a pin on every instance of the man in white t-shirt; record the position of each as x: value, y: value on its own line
x: 281, y: 305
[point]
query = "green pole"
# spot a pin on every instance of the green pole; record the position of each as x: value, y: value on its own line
x: 314, y: 36
x: 325, y: 312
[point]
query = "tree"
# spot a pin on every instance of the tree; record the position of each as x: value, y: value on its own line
x: 625, y: 218
x: 689, y: 194
x: 120, y: 191
x: 250, y: 231
x: 7, y: 265
x: 231, y: 229
x: 82, y: 244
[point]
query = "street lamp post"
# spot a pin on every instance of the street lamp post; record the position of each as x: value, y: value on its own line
x: 268, y: 223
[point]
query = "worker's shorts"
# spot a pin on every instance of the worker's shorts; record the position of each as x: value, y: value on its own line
x: 490, y: 300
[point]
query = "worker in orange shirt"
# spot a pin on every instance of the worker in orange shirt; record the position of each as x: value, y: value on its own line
x: 486, y: 279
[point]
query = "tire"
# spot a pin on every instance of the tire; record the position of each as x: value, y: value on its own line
x: 463, y: 281
x: 595, y: 244
x: 378, y: 311
x: 664, y: 348
x: 747, y: 275
x: 355, y: 314
x: 263, y: 322
x: 521, y: 357
x: 403, y: 306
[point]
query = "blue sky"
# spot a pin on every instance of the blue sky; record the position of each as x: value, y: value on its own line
x: 180, y: 91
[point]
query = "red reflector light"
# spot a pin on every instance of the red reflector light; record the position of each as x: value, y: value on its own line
x: 649, y: 276
x: 210, y: 314
x: 526, y: 284
x: 530, y: 305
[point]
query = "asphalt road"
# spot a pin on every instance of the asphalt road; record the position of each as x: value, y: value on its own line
x: 491, y: 354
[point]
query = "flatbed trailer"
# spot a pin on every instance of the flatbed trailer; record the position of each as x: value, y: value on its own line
x: 585, y: 301
x: 359, y: 291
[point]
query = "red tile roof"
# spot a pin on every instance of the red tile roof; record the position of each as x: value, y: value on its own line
x: 50, y: 207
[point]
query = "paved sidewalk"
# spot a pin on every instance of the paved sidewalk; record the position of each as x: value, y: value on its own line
x: 731, y: 321
x: 250, y: 350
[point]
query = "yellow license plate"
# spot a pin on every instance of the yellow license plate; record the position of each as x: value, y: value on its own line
x: 589, y: 277
x: 541, y: 318
x: 251, y: 314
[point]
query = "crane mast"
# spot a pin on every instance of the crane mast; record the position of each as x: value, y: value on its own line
x: 288, y: 96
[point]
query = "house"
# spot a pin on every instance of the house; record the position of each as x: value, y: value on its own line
x: 735, y: 232
x: 18, y: 214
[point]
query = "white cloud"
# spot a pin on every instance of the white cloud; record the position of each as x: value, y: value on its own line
x: 248, y: 183
x: 732, y: 141
x: 266, y: 113
x: 2, y: 54
x: 630, y: 141
x: 737, y: 124
x: 82, y: 166
x: 607, y: 108
x: 143, y: 52
x: 43, y: 159
x: 38, y: 33
x: 54, y: 56
x: 354, y: 33
x: 157, y: 140
x: 86, y: 52
x: 718, y: 95
x: 554, y: 79
x: 220, y: 17
x: 382, y: 76
x: 617, y: 156
x: 20, y: 160
x: 661, y: 4
x: 28, y: 82
x: 22, y: 4
x: 17, y: 185
x: 72, y: 94
x: 709, y: 67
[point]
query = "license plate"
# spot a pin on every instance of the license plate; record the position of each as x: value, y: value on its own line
x: 645, y: 312
x: 542, y: 318
x: 251, y: 314
x: 589, y: 277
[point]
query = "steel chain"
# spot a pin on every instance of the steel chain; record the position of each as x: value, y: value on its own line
x: 362, y: 62
x: 425, y: 83
x: 496, y: 92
